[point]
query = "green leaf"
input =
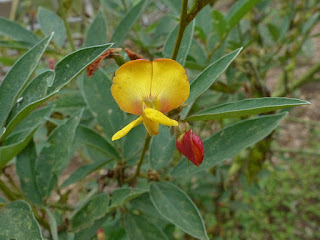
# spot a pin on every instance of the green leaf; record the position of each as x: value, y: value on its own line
x: 17, y: 78
x: 207, y: 77
x: 184, y: 46
x: 274, y: 31
x: 91, y: 138
x: 162, y: 148
x: 70, y: 66
x: 121, y: 196
x: 138, y: 228
x: 97, y: 32
x: 16, y: 31
x: 219, y: 22
x: 90, y: 231
x: 51, y: 22
x: 238, y: 10
x: 18, y: 222
x: 56, y: 154
x: 68, y: 100
x: 127, y: 22
x: 246, y: 107
x: 22, y: 135
x: 93, y: 210
x: 53, y: 225
x: 97, y: 94
x: 32, y: 97
x: 84, y: 171
x: 229, y: 141
x: 25, y: 167
x: 175, y: 206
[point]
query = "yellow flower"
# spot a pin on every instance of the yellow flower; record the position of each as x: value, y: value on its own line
x: 149, y: 89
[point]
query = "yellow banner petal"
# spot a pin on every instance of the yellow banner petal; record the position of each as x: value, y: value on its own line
x: 159, y: 117
x: 127, y: 128
x: 131, y: 85
x: 169, y: 84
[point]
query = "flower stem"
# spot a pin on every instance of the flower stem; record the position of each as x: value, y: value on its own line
x: 144, y: 150
x: 66, y: 24
x: 182, y: 26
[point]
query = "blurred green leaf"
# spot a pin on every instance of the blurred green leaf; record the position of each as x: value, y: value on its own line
x: 162, y: 148
x: 175, y: 6
x: 97, y: 94
x: 51, y: 22
x: 230, y: 141
x: 89, y: 137
x: 17, y: 78
x: 94, y: 209
x: 184, y: 46
x: 97, y: 32
x: 274, y: 31
x: 18, y: 222
x: 22, y: 135
x: 84, y: 171
x: 133, y: 142
x: 238, y: 10
x: 32, y: 97
x: 175, y: 206
x: 56, y: 154
x: 73, y: 64
x: 138, y: 228
x: 246, y: 107
x: 91, y: 230
x: 207, y: 77
x: 121, y: 196
x: 16, y: 31
x: 127, y: 22
x: 219, y: 22
x: 25, y: 166
x: 53, y: 225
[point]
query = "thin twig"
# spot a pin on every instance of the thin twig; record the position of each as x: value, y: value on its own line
x: 66, y: 24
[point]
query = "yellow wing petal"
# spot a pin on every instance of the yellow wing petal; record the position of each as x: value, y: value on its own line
x: 169, y: 84
x: 127, y: 128
x: 159, y: 117
x: 131, y: 85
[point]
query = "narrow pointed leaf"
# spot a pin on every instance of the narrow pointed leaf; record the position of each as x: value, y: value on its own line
x: 51, y: 22
x: 32, y: 97
x: 73, y: 64
x: 230, y: 141
x: 209, y: 75
x: 25, y: 166
x: 17, y: 78
x: 18, y: 222
x: 127, y: 22
x: 175, y: 206
x: 121, y: 196
x: 17, y: 32
x: 84, y: 171
x: 91, y: 138
x: 97, y: 32
x: 22, y: 135
x: 184, y: 46
x: 138, y: 228
x: 56, y: 154
x: 246, y: 107
x: 238, y: 10
x: 93, y: 210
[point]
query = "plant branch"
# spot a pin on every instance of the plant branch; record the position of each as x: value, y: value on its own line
x: 182, y: 26
x: 307, y: 77
x: 144, y: 150
x: 66, y: 24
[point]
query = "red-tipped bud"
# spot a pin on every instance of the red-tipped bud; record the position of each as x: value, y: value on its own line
x: 190, y: 145
x: 101, y: 235
x: 51, y: 63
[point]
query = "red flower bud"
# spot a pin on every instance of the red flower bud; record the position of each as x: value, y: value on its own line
x: 190, y: 145
x: 101, y: 235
